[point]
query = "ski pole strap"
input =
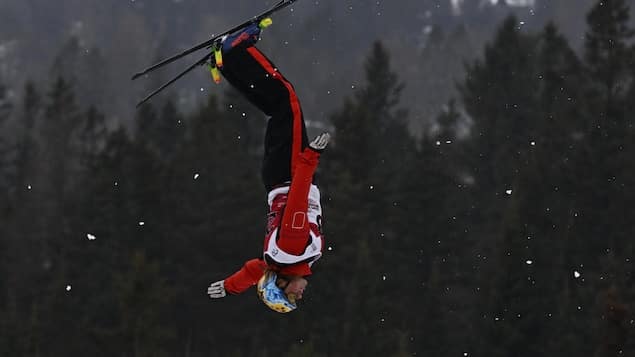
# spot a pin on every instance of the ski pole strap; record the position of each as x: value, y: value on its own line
x: 218, y: 56
x: 215, y: 73
x: 216, y: 62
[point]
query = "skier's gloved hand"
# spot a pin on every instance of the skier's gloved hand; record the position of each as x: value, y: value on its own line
x: 217, y: 290
x: 320, y: 142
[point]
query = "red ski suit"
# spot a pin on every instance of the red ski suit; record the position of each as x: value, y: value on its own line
x: 293, y: 238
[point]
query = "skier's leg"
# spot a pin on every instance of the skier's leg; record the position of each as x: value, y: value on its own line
x: 285, y: 139
x: 253, y: 74
x: 253, y: 80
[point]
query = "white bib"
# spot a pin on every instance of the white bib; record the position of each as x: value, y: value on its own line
x: 312, y: 252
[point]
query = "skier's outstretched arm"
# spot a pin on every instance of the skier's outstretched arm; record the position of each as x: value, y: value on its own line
x: 240, y: 281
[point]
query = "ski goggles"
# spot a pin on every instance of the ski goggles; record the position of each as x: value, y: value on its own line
x: 272, y: 295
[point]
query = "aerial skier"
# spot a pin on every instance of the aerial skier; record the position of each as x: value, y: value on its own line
x: 293, y: 237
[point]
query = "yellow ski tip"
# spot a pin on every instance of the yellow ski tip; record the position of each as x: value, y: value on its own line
x: 266, y: 22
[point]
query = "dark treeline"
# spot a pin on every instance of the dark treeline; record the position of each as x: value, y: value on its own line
x: 514, y: 239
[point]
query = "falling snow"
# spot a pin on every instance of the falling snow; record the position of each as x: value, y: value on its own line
x: 518, y: 256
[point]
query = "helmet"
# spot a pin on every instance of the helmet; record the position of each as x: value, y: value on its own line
x: 272, y: 295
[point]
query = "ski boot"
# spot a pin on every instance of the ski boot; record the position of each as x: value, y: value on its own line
x: 245, y: 37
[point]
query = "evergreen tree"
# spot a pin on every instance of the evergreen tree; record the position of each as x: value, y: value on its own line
x: 371, y: 143
x: 10, y: 328
x: 551, y: 177
x: 6, y: 103
x: 57, y: 199
x: 27, y: 234
x: 38, y: 228
x: 109, y: 219
x: 159, y: 132
x: 125, y: 221
x: 24, y: 236
x: 91, y: 139
x: 89, y: 261
x: 59, y: 163
x: 27, y: 145
x: 214, y: 183
x: 609, y: 59
x: 6, y: 107
x: 609, y: 62
x: 434, y: 241
x: 630, y: 276
x: 500, y: 94
x: 607, y: 153
x: 142, y: 295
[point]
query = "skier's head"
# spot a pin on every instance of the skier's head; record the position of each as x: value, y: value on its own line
x: 280, y: 293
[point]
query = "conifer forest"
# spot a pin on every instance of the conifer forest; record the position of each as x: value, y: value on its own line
x: 497, y: 222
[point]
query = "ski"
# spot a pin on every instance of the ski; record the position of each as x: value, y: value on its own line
x: 208, y: 45
x: 186, y: 71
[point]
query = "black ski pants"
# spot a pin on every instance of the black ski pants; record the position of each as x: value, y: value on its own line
x: 259, y: 80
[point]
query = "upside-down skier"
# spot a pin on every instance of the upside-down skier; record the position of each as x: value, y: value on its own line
x: 293, y: 237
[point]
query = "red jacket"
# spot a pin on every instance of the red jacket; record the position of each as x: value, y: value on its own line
x: 294, y: 220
